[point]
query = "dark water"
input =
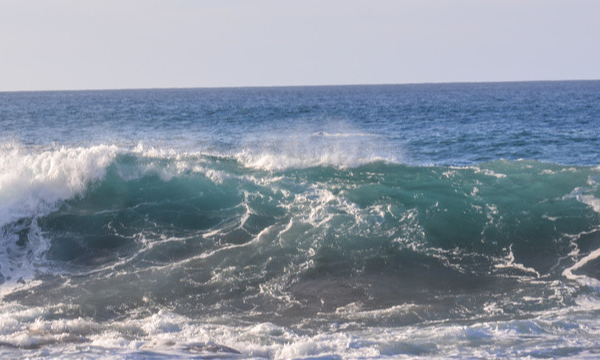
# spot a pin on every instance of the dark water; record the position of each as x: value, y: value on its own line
x: 438, y: 221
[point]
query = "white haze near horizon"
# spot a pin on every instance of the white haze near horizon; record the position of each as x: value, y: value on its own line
x: 110, y: 44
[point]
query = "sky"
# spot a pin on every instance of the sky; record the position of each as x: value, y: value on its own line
x: 116, y: 44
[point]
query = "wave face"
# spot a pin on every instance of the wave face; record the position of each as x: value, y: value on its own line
x: 381, y: 244
x: 304, y: 243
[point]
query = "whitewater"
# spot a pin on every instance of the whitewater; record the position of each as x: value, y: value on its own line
x: 355, y: 222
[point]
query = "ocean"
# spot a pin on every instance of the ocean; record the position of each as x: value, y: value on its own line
x: 347, y: 222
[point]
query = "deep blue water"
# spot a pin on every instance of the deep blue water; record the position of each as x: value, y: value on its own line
x: 443, y: 124
x: 435, y: 221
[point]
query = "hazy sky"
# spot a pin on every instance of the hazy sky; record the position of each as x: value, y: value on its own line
x: 91, y: 44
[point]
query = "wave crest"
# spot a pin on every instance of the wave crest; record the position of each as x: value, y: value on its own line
x: 32, y: 183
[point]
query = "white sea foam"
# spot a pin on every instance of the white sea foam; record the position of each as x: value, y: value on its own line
x: 510, y: 263
x: 488, y: 172
x: 167, y: 334
x: 584, y: 196
x: 32, y: 183
x: 582, y: 279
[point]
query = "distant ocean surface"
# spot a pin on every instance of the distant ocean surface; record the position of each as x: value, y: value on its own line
x: 356, y: 222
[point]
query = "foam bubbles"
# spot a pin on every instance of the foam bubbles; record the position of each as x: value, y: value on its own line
x: 167, y: 334
x: 32, y: 183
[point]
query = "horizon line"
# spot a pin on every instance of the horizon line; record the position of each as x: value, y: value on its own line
x: 297, y: 86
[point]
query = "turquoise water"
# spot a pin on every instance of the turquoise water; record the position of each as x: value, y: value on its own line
x: 434, y: 221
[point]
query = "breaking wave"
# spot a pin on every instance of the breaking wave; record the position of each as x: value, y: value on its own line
x: 289, y: 240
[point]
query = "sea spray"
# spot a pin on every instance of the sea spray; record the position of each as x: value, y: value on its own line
x: 32, y: 183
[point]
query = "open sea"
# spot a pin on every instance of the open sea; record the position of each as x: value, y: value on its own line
x: 355, y: 222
